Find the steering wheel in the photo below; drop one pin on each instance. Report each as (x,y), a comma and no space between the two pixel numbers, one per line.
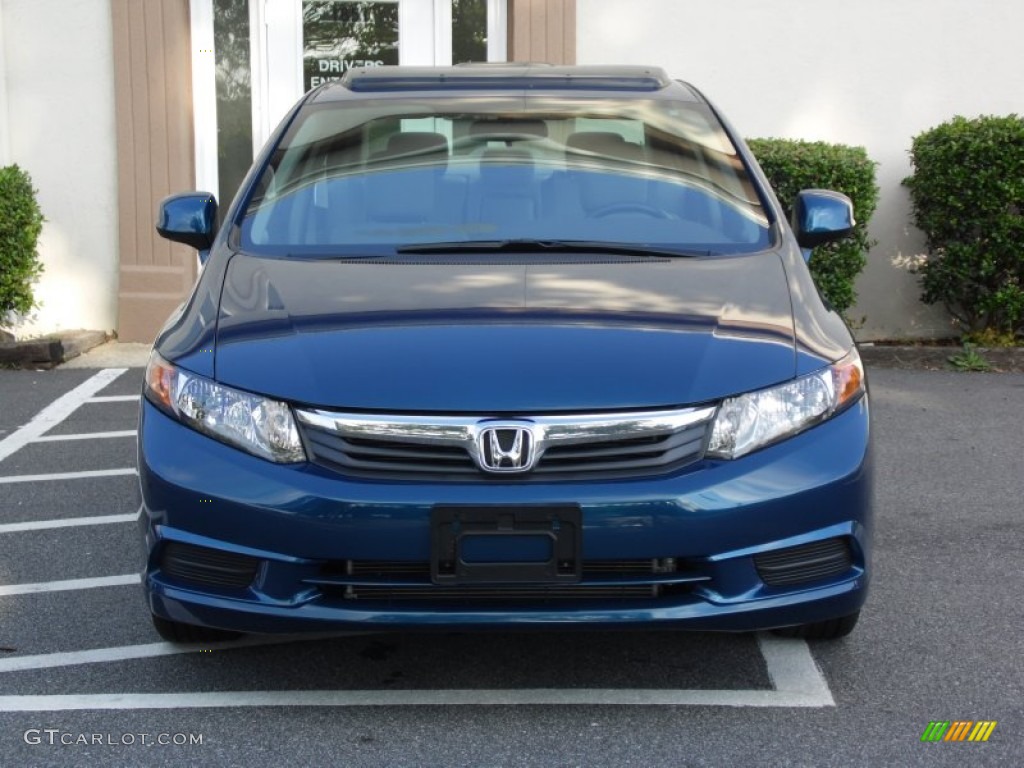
(643,208)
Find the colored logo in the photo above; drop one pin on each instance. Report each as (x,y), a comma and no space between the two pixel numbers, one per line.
(958,730)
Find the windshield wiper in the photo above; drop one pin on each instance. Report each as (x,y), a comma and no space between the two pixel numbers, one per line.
(525,245)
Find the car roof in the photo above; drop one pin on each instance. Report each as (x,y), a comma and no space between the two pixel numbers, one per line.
(393,80)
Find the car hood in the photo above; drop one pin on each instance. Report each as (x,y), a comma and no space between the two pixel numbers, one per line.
(504,336)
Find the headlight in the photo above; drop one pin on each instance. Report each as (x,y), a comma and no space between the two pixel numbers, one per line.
(756,419)
(255,424)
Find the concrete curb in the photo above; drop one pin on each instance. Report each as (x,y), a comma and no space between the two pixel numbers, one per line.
(49,351)
(1002,359)
(113,354)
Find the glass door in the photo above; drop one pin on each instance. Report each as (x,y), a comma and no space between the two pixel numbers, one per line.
(253,59)
(338,36)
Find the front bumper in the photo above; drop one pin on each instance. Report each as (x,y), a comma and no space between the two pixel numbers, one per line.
(719,521)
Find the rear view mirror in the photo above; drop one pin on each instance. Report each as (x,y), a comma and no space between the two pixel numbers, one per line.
(188,218)
(821,216)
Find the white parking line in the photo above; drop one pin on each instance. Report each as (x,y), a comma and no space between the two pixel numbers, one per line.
(70,522)
(796,678)
(407,698)
(144,651)
(57,411)
(86,436)
(792,669)
(68,584)
(112,399)
(67,475)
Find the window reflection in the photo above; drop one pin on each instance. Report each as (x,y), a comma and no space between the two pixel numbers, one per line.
(234,95)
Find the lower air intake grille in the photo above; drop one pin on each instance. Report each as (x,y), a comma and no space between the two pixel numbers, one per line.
(396,581)
(396,569)
(808,562)
(442,594)
(201,565)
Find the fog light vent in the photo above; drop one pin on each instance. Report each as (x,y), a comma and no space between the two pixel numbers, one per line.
(808,562)
(202,565)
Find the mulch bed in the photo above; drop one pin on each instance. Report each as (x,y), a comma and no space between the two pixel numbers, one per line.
(935,357)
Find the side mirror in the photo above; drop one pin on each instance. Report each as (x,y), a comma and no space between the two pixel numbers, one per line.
(821,216)
(188,218)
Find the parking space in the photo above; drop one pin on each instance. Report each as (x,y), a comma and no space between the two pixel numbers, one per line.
(45,501)
(939,640)
(24,393)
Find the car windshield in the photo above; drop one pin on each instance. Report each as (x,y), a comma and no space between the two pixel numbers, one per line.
(368,177)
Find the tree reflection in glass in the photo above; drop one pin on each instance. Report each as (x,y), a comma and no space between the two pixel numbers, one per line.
(234,95)
(469,31)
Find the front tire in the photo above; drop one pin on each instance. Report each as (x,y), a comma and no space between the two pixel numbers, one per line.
(831,629)
(178,632)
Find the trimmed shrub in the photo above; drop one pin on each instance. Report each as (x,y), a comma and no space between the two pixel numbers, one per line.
(967,194)
(21,221)
(795,165)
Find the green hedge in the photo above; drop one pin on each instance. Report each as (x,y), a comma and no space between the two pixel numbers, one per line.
(967,193)
(20,224)
(794,165)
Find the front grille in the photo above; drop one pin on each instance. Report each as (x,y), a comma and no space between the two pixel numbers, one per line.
(642,454)
(363,456)
(806,563)
(202,565)
(609,446)
(400,581)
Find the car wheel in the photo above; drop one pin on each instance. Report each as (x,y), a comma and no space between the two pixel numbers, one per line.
(177,632)
(831,629)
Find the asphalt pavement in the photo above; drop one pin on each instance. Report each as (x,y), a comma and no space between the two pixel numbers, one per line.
(84,680)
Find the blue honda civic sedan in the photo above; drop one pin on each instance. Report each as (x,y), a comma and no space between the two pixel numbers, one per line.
(505,347)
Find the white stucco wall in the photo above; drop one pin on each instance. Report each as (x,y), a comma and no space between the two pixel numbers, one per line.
(5,145)
(58,58)
(872,73)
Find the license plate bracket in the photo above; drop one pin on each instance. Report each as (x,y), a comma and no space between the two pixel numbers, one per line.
(506,545)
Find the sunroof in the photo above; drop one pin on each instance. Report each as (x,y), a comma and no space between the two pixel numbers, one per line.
(510,77)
